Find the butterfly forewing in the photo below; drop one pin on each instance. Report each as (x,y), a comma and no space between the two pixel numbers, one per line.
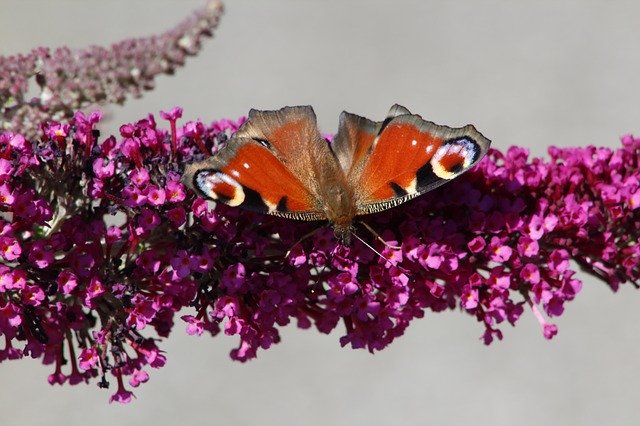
(410,156)
(273,164)
(247,174)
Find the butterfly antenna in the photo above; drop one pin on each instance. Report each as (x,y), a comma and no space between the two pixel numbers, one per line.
(317,283)
(373,249)
(378,237)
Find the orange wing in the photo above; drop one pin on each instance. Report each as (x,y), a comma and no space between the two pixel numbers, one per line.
(407,156)
(264,166)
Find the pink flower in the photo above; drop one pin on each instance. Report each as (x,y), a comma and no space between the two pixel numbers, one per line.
(530,273)
(139,177)
(9,248)
(103,168)
(13,279)
(173,114)
(32,295)
(155,196)
(527,247)
(134,197)
(6,195)
(67,282)
(500,251)
(143,312)
(432,257)
(122,396)
(94,290)
(477,245)
(88,358)
(138,377)
(233,278)
(502,237)
(149,261)
(175,191)
(194,326)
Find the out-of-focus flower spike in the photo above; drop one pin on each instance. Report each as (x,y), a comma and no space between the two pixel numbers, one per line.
(70,80)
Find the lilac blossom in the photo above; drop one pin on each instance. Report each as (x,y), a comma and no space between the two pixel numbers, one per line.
(103,251)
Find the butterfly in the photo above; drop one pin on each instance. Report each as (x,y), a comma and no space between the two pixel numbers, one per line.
(278,163)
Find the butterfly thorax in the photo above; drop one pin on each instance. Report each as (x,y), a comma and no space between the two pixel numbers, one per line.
(339,206)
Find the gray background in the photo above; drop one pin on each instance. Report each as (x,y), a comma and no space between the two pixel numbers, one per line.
(526,73)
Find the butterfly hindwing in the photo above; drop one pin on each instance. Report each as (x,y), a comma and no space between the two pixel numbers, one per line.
(354,139)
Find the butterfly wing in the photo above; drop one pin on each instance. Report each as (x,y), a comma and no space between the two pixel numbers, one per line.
(268,166)
(402,157)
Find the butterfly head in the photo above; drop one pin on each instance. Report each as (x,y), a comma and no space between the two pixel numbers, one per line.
(343,233)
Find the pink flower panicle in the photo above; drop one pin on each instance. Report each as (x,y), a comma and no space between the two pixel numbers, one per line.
(69,80)
(101,246)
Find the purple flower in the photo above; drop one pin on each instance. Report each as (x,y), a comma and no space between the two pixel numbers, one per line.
(195,326)
(173,114)
(139,177)
(502,237)
(181,263)
(138,377)
(88,358)
(9,248)
(233,278)
(41,254)
(175,191)
(6,195)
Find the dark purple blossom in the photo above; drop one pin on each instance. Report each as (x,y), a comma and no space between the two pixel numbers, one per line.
(102,250)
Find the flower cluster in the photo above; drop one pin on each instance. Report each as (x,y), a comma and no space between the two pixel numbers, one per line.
(101,246)
(68,80)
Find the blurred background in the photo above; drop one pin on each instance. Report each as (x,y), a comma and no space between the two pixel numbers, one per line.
(532,74)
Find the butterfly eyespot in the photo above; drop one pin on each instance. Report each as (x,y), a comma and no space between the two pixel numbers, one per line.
(454,157)
(219,186)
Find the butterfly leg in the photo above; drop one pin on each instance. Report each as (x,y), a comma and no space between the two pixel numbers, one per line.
(378,237)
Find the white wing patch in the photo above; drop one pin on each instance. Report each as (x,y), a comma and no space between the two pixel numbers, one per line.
(220,186)
(463,148)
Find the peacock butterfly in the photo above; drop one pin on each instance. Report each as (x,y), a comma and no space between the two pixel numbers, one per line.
(278,163)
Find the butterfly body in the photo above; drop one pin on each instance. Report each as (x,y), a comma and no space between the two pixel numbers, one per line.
(278,163)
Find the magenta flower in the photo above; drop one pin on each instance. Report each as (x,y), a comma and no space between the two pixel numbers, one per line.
(155,196)
(9,248)
(92,297)
(195,326)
